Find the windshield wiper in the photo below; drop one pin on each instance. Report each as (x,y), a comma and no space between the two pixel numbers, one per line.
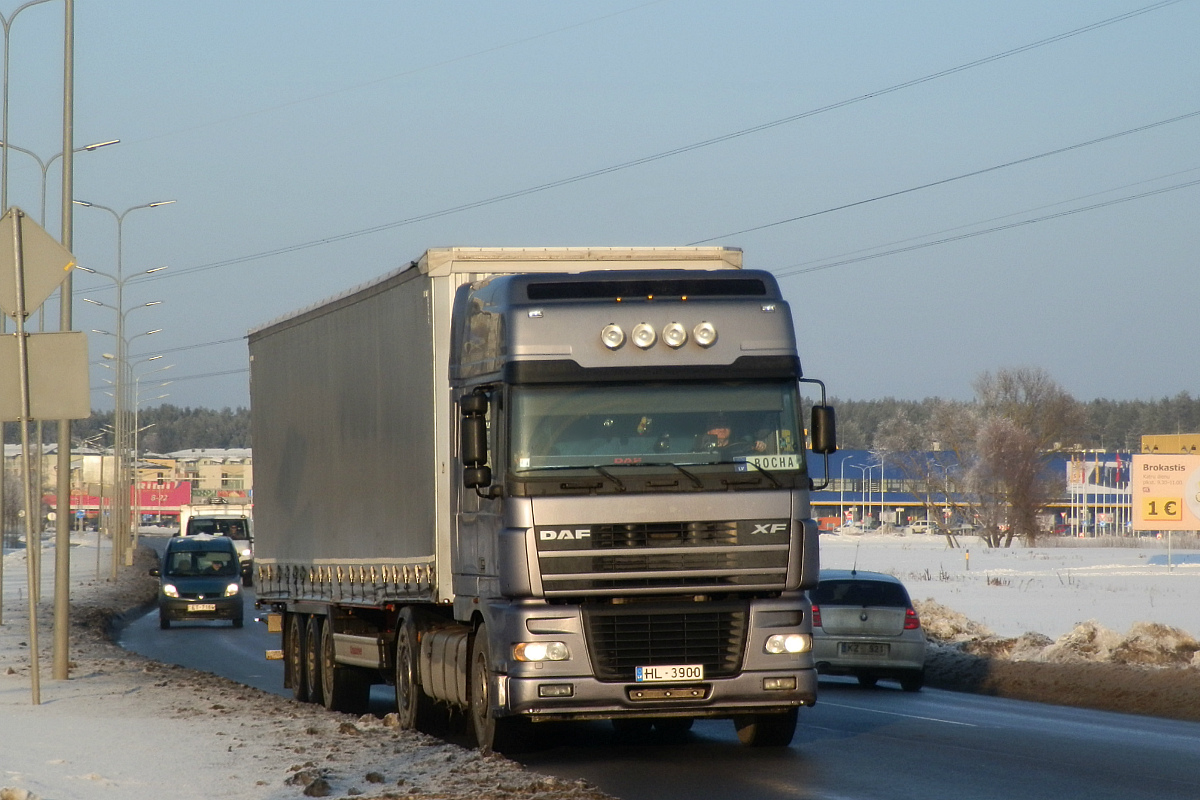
(770,477)
(699,484)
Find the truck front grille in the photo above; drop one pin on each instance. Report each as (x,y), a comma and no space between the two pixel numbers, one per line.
(621,638)
(649,558)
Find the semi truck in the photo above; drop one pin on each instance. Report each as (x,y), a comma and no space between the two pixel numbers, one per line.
(542,484)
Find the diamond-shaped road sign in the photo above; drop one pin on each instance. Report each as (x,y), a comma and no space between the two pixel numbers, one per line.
(45,263)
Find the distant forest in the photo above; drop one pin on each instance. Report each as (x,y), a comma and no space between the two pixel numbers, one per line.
(163,429)
(1110,424)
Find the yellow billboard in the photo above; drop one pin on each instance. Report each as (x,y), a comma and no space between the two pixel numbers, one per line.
(1165,492)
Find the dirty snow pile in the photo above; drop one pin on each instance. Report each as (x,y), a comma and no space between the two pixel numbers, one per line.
(124,726)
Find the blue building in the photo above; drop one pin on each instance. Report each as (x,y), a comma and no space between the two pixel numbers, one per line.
(864,488)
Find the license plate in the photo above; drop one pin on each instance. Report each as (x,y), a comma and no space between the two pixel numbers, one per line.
(863,649)
(685,672)
(202,607)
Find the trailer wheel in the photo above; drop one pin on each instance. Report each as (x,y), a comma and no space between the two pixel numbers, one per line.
(766,730)
(312,659)
(294,652)
(343,688)
(417,710)
(492,733)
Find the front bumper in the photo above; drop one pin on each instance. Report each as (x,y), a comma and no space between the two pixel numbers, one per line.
(184,609)
(593,699)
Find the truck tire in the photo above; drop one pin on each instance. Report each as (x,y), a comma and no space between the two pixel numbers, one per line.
(343,688)
(294,653)
(492,733)
(417,710)
(766,730)
(312,659)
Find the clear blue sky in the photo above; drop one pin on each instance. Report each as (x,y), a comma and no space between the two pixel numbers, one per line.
(276,125)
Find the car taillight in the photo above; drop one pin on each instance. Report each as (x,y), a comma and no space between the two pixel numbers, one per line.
(911,620)
(816,616)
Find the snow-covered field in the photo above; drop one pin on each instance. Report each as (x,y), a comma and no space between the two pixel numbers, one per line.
(1046,590)
(124,727)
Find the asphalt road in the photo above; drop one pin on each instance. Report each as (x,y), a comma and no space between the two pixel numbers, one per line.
(857,743)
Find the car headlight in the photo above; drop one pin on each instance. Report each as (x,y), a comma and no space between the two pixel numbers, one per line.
(541,651)
(246,552)
(169,590)
(232,589)
(789,643)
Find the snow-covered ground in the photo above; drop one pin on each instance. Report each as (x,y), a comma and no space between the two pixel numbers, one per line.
(124,727)
(1046,590)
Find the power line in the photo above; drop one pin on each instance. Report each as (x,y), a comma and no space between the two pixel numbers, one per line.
(181,379)
(944,181)
(662,155)
(801,271)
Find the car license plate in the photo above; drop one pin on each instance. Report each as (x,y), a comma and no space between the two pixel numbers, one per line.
(202,607)
(863,649)
(686,672)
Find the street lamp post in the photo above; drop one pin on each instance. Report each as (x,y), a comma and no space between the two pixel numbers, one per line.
(7,23)
(137,404)
(121,394)
(842,495)
(46,164)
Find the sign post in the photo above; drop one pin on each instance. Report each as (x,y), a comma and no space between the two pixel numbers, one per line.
(30,270)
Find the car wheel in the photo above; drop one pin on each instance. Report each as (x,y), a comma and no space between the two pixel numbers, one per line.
(312,659)
(767,730)
(343,688)
(239,621)
(913,681)
(294,652)
(867,681)
(492,733)
(164,621)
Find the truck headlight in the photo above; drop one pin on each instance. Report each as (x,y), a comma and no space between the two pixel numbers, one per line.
(675,335)
(612,336)
(541,651)
(789,643)
(232,589)
(644,335)
(169,590)
(705,334)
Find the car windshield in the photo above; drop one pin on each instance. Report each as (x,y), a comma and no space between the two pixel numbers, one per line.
(193,563)
(233,528)
(565,426)
(860,593)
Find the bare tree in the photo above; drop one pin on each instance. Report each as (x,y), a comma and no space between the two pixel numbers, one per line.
(987,462)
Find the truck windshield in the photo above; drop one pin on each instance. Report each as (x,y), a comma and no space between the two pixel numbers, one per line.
(565,426)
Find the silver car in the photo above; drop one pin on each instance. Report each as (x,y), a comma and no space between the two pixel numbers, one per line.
(864,625)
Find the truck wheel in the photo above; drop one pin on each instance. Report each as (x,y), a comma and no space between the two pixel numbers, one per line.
(294,652)
(766,730)
(312,659)
(343,688)
(492,733)
(417,710)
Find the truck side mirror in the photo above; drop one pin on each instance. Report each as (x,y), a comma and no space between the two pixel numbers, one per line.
(823,430)
(473,440)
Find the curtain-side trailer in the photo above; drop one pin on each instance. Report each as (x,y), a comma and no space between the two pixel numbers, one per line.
(532,484)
